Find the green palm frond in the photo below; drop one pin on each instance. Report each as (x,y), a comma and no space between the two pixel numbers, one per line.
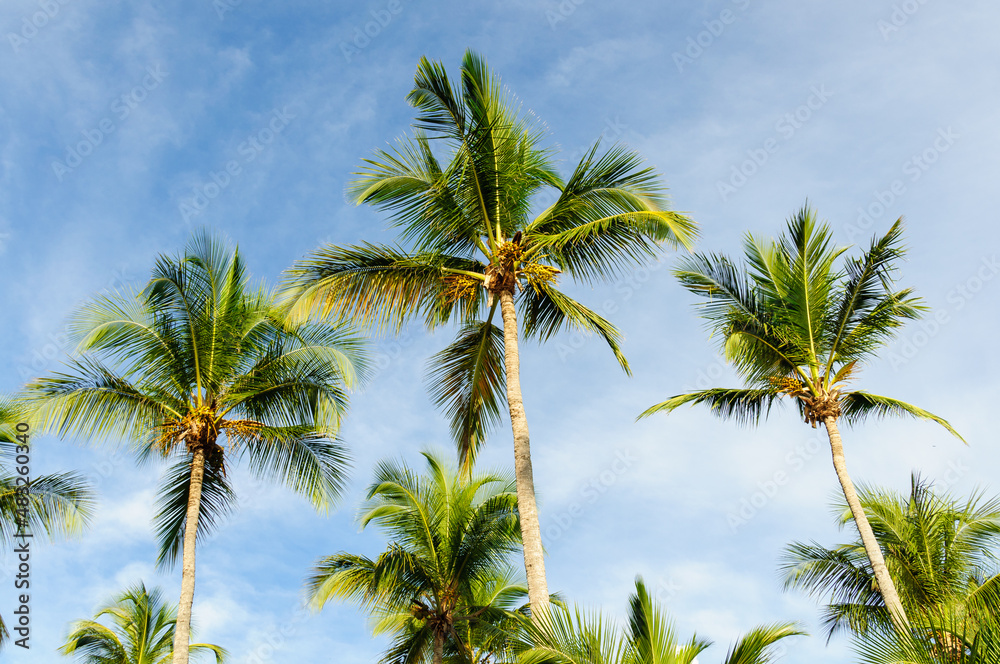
(859,406)
(652,638)
(940,551)
(611,216)
(757,647)
(467,381)
(450,534)
(140,632)
(308,463)
(12,413)
(58,504)
(377,286)
(844,578)
(571,636)
(575,636)
(93,399)
(218,500)
(746,406)
(547,310)
(869,310)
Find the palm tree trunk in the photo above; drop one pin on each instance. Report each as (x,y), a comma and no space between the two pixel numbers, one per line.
(531,532)
(885,584)
(182,630)
(438,647)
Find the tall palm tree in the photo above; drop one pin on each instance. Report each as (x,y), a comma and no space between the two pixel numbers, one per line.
(200,367)
(793,324)
(443,586)
(56,504)
(473,244)
(941,552)
(568,636)
(141,632)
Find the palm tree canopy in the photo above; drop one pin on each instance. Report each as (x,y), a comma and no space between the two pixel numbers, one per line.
(446,569)
(202,358)
(464,191)
(141,631)
(942,553)
(796,320)
(575,636)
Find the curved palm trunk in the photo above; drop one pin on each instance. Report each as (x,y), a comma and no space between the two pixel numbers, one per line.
(885,584)
(182,630)
(531,533)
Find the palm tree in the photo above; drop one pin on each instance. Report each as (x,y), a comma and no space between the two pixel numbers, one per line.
(575,637)
(956,639)
(793,325)
(200,367)
(941,553)
(474,246)
(141,632)
(56,504)
(443,586)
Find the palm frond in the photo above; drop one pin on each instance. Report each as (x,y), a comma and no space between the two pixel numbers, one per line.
(611,216)
(377,286)
(858,406)
(218,500)
(745,406)
(758,646)
(57,504)
(546,310)
(467,381)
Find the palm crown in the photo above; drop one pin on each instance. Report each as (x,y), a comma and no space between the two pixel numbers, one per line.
(445,578)
(794,324)
(568,636)
(141,632)
(941,552)
(467,220)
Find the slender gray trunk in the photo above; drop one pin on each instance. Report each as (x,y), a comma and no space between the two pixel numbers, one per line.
(531,533)
(885,584)
(182,630)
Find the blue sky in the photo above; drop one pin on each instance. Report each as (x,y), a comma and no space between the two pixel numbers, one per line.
(116,116)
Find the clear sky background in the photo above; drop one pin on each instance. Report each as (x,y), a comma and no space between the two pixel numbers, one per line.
(870,109)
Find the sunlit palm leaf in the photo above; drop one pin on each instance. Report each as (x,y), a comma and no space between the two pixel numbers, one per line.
(467,381)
